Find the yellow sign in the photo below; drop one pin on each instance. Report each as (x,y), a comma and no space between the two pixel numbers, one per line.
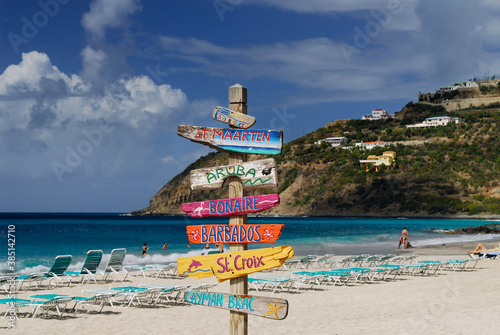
(233,264)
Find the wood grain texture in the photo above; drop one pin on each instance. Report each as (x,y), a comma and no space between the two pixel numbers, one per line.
(231,206)
(243,233)
(233,264)
(254,175)
(265,142)
(265,307)
(233,117)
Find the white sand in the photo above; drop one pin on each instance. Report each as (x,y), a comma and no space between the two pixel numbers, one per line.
(446,303)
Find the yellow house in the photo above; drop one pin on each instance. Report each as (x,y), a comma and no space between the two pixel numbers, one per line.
(388,158)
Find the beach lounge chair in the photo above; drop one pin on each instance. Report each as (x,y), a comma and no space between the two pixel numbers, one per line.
(43,305)
(165,270)
(6,280)
(89,268)
(335,277)
(97,299)
(56,274)
(35,278)
(161,290)
(302,262)
(321,261)
(307,278)
(274,282)
(134,294)
(345,262)
(115,264)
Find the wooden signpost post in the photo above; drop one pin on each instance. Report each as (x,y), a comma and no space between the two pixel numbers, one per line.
(265,142)
(272,308)
(253,175)
(232,117)
(235,264)
(241,175)
(202,234)
(231,206)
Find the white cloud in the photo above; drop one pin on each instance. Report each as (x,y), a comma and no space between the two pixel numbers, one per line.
(45,115)
(93,63)
(34,75)
(326,6)
(105,14)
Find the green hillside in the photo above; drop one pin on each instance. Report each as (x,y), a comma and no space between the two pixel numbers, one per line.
(447,170)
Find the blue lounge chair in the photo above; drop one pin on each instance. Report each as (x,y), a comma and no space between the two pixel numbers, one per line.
(89,268)
(97,299)
(56,273)
(39,305)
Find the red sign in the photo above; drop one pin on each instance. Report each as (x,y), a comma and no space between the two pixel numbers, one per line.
(245,233)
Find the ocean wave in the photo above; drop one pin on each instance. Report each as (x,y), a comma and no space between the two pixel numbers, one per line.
(158,258)
(454,239)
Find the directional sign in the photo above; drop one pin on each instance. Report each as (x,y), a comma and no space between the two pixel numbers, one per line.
(253,175)
(232,206)
(233,264)
(241,233)
(271,308)
(265,142)
(233,118)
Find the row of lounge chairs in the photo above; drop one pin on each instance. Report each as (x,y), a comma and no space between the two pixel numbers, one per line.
(378,268)
(58,273)
(326,261)
(126,296)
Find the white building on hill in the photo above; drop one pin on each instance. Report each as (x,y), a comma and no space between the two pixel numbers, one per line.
(377,114)
(371,145)
(436,121)
(333,141)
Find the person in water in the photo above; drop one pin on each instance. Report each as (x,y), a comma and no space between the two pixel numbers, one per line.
(165,246)
(404,238)
(144,248)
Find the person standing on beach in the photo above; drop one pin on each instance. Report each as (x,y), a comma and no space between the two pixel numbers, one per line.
(144,248)
(404,238)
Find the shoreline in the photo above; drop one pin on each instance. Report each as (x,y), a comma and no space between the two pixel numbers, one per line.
(354,216)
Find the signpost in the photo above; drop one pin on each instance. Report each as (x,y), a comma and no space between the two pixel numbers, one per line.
(253,175)
(271,308)
(241,175)
(202,234)
(231,206)
(234,264)
(265,142)
(232,117)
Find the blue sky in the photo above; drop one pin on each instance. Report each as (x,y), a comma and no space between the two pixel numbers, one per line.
(91,92)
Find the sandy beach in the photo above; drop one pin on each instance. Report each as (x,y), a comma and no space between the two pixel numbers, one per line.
(447,302)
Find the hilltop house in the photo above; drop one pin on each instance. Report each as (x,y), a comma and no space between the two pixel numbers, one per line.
(436,121)
(388,158)
(371,145)
(333,141)
(377,114)
(465,84)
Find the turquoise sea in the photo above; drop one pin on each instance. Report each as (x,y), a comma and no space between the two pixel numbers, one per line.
(39,238)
